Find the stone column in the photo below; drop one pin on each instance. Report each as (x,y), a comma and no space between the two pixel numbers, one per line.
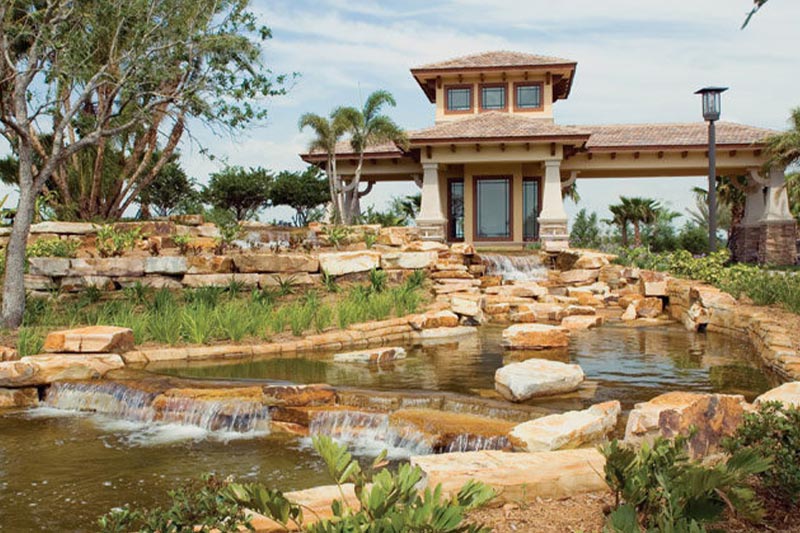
(553,218)
(750,229)
(778,236)
(431,220)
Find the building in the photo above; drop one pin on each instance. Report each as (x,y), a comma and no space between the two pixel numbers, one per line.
(493,166)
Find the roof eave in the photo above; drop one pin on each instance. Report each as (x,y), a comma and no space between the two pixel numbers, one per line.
(415,141)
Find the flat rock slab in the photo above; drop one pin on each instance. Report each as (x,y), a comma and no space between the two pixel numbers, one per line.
(567,430)
(434,319)
(375,355)
(445,332)
(408,260)
(535,337)
(788,394)
(341,263)
(579,322)
(536,377)
(91,339)
(518,476)
(37,370)
(276,263)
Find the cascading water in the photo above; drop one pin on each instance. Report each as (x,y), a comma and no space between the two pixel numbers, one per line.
(474,443)
(153,418)
(515,267)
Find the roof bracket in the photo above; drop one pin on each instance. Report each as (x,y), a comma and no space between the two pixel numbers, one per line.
(477,147)
(685,154)
(661,154)
(502,147)
(570,180)
(453,148)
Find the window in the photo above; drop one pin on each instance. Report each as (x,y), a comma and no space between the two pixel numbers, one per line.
(528,96)
(456,209)
(459,99)
(530,209)
(493,97)
(493,209)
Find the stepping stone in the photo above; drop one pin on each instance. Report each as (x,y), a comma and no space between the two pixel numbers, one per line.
(536,377)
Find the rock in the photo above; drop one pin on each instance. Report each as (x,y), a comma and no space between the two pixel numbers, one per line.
(434,319)
(38,283)
(394,236)
(517,476)
(166,265)
(107,266)
(408,260)
(579,276)
(788,394)
(467,304)
(462,248)
(275,280)
(8,354)
(591,261)
(567,430)
(36,370)
(523,316)
(546,311)
(630,313)
(585,310)
(627,299)
(375,355)
(79,283)
(301,395)
(340,263)
(210,264)
(649,307)
(220,280)
(289,263)
(534,337)
(518,290)
(579,322)
(536,377)
(715,416)
(442,428)
(696,317)
(187,220)
(612,275)
(154,282)
(53,267)
(64,228)
(425,246)
(566,259)
(91,339)
(653,283)
(27,397)
(442,333)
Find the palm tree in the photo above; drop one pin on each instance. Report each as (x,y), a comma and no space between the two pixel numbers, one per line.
(784,148)
(620,218)
(367,126)
(327,133)
(637,211)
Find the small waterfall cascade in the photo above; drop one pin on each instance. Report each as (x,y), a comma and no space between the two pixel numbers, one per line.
(515,267)
(476,443)
(118,401)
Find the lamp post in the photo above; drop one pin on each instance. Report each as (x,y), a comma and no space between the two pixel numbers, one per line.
(712,104)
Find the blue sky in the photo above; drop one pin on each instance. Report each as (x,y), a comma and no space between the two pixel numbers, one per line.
(638,61)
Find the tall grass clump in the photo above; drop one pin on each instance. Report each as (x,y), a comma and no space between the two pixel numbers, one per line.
(29,342)
(234,321)
(198,323)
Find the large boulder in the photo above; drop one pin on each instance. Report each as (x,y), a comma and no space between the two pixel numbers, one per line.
(470,305)
(408,260)
(434,319)
(107,266)
(210,264)
(91,339)
(64,228)
(535,337)
(341,263)
(79,283)
(579,276)
(536,377)
(653,283)
(53,267)
(276,263)
(714,416)
(788,394)
(372,355)
(591,261)
(567,430)
(650,307)
(517,476)
(36,370)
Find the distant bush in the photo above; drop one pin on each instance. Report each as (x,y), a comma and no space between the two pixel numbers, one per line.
(585,231)
(693,239)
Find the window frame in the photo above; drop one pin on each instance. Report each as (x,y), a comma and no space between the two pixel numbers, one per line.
(539,190)
(476,237)
(483,86)
(519,84)
(471,90)
(450,220)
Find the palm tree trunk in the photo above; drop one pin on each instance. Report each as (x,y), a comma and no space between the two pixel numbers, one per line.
(624,234)
(637,234)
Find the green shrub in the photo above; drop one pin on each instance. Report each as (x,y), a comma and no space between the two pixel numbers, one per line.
(337,235)
(585,231)
(693,238)
(113,242)
(53,247)
(773,431)
(660,489)
(378,279)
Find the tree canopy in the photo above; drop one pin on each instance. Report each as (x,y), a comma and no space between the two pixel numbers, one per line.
(241,191)
(302,191)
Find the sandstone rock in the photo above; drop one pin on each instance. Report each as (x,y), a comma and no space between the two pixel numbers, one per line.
(340,263)
(523,316)
(649,307)
(653,283)
(301,395)
(627,299)
(612,275)
(374,355)
(579,322)
(518,290)
(463,248)
(517,476)
(534,337)
(566,259)
(442,428)
(38,283)
(187,220)
(38,370)
(394,236)
(585,310)
(546,311)
(220,280)
(715,416)
(467,304)
(630,313)
(579,276)
(408,260)
(107,266)
(567,430)
(154,282)
(91,339)
(434,319)
(64,228)
(210,264)
(788,394)
(442,333)
(8,354)
(27,397)
(288,263)
(477,270)
(696,317)
(425,246)
(588,299)
(79,283)
(54,267)
(591,261)
(536,377)
(166,265)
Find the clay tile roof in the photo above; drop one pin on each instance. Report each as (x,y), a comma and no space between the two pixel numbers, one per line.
(502,58)
(344,148)
(668,135)
(495,125)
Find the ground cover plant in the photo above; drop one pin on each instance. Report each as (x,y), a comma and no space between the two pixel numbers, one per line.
(221,314)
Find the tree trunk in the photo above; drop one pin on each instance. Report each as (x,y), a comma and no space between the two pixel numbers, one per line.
(330,170)
(637,235)
(624,234)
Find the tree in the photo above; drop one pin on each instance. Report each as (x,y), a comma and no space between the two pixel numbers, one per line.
(620,219)
(783,149)
(366,126)
(170,189)
(115,75)
(327,133)
(640,211)
(237,190)
(585,230)
(302,191)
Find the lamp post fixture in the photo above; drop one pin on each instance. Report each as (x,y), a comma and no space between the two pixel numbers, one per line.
(712,104)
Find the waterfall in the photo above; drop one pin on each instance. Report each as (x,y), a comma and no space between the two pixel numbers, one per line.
(369,434)
(514,267)
(151,417)
(476,443)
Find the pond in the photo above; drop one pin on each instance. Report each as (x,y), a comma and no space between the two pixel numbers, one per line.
(60,470)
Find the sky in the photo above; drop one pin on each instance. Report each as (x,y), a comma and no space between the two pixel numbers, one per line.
(638,61)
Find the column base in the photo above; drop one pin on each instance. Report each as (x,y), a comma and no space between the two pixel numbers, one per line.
(777,244)
(747,243)
(432,229)
(553,235)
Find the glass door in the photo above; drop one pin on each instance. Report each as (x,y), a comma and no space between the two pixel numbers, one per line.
(530,209)
(493,208)
(455,209)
